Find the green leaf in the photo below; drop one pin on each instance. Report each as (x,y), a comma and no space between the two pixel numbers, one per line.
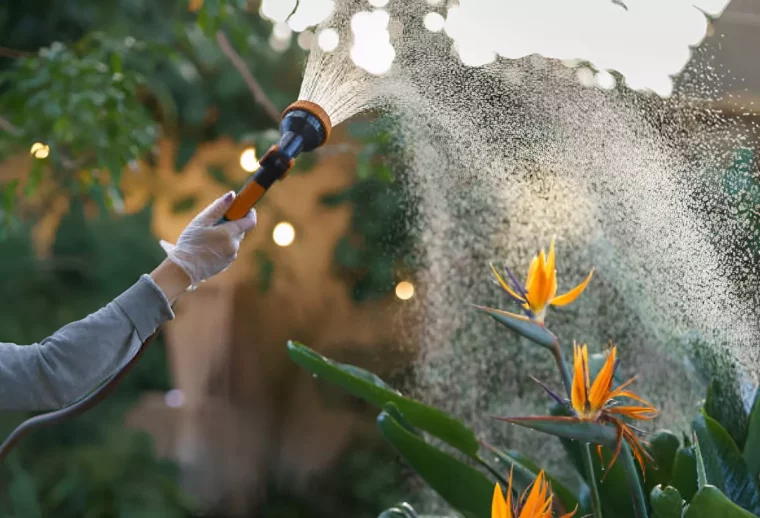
(568,428)
(684,476)
(184,154)
(523,326)
(375,391)
(663,447)
(462,486)
(752,443)
(184,204)
(724,404)
(710,502)
(724,465)
(666,503)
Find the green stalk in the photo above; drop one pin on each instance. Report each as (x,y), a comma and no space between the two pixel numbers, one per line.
(634,484)
(596,502)
(563,370)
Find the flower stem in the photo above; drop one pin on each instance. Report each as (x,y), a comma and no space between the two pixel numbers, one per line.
(563,370)
(634,484)
(596,503)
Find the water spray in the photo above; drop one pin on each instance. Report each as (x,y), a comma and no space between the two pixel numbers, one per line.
(304,127)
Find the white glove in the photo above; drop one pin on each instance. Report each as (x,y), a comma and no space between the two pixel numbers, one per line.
(205,249)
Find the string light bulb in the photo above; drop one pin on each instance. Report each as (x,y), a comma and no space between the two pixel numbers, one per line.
(404,290)
(284,234)
(248,160)
(40,150)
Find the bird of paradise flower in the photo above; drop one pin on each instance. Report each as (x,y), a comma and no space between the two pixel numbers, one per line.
(535,502)
(540,289)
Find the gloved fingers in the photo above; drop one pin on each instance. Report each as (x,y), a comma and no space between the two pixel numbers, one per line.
(168,247)
(214,212)
(242,225)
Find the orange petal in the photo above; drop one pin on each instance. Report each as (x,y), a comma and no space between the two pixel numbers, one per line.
(505,286)
(551,272)
(570,296)
(508,505)
(601,388)
(536,285)
(578,394)
(642,413)
(570,515)
(499,506)
(536,498)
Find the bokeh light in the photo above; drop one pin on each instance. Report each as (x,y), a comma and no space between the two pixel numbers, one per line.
(248,160)
(284,234)
(647,43)
(40,150)
(404,290)
(175,398)
(372,49)
(306,40)
(328,40)
(277,10)
(434,22)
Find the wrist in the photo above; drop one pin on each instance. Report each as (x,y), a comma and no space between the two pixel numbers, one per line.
(172,279)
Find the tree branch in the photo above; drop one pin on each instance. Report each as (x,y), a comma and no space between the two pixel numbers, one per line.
(258,93)
(6,125)
(13,53)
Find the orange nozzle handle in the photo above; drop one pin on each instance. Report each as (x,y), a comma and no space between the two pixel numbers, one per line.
(272,167)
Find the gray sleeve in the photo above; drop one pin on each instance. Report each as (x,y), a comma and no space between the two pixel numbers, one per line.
(68,365)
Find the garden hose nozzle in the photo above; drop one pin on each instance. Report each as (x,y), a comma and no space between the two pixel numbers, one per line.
(304,127)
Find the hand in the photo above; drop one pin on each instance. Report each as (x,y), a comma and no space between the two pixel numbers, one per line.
(204,248)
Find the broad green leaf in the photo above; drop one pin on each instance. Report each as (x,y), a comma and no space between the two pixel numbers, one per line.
(752,444)
(375,391)
(710,502)
(684,477)
(568,428)
(462,486)
(724,465)
(663,447)
(666,503)
(523,326)
(724,404)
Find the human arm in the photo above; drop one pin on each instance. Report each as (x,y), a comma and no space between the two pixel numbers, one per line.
(72,362)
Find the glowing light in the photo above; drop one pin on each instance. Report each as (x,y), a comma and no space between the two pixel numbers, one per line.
(585,76)
(277,10)
(174,398)
(282,31)
(434,22)
(248,160)
(310,13)
(284,234)
(378,3)
(404,290)
(434,2)
(601,33)
(372,49)
(306,40)
(605,80)
(328,40)
(40,150)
